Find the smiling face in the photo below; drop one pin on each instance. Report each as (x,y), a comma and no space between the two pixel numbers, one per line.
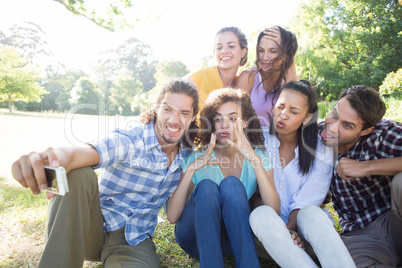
(228,51)
(174,117)
(268,51)
(343,127)
(290,112)
(224,122)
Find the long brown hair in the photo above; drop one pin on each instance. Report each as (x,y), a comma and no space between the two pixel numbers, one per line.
(218,97)
(288,49)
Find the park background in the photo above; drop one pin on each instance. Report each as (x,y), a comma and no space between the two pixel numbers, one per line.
(70,71)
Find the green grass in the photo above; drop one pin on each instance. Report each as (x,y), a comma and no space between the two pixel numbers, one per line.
(22,232)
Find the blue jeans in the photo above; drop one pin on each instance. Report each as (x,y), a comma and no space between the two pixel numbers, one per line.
(215,224)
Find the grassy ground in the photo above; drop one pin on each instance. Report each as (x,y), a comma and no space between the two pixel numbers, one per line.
(22,228)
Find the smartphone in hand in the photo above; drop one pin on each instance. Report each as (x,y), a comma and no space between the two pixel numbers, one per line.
(56,180)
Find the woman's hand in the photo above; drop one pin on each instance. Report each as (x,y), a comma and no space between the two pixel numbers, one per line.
(242,144)
(205,158)
(296,239)
(273,34)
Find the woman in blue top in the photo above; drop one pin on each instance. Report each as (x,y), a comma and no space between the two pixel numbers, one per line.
(302,175)
(210,205)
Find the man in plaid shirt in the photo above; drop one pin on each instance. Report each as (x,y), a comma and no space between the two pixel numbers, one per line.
(367,182)
(114,221)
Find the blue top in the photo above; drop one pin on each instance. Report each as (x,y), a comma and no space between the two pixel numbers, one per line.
(214,173)
(135,181)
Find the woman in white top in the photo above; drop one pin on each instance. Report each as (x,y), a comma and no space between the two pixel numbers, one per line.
(302,175)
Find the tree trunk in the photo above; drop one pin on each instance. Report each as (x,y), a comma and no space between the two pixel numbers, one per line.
(10,104)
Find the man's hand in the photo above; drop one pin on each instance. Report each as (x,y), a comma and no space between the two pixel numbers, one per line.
(29,169)
(349,169)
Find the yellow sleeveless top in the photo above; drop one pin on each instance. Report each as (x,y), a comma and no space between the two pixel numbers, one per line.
(206,80)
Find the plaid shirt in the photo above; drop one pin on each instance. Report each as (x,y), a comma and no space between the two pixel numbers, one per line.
(360,201)
(135,181)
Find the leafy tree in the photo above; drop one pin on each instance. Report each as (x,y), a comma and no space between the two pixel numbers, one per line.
(109,14)
(30,39)
(60,86)
(347,42)
(392,85)
(133,57)
(18,80)
(85,97)
(123,92)
(167,70)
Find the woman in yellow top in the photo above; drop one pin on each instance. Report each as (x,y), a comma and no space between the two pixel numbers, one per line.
(231,52)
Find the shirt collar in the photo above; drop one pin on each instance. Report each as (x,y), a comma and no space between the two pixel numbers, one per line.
(150,139)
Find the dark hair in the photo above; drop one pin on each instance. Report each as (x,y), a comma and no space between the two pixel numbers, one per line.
(178,86)
(218,97)
(288,47)
(307,135)
(367,103)
(242,40)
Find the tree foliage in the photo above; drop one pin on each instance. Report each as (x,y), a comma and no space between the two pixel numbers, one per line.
(85,97)
(348,42)
(167,70)
(29,38)
(60,86)
(392,85)
(109,14)
(133,57)
(18,80)
(111,17)
(122,93)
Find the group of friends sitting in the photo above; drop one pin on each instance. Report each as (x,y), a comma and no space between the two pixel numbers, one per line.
(243,166)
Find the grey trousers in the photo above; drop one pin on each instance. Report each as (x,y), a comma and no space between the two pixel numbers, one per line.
(75,231)
(380,243)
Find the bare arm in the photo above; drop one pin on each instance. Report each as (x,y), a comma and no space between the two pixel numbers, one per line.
(180,196)
(292,222)
(290,74)
(292,227)
(245,81)
(265,179)
(349,169)
(29,171)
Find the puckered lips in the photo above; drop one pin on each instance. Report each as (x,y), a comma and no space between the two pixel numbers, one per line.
(224,134)
(280,124)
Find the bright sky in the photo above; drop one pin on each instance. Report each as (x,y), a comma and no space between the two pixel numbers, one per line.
(185,30)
